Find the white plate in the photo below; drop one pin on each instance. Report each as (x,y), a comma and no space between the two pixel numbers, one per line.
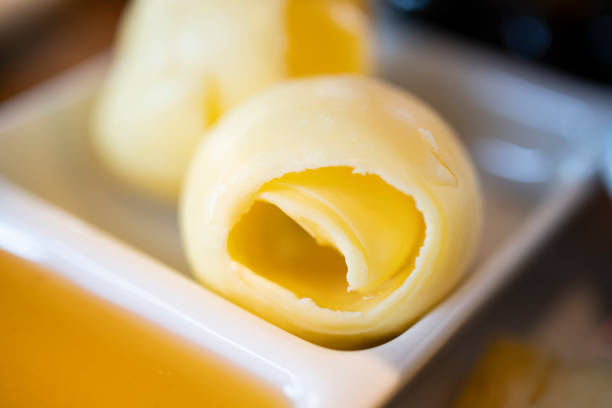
(77,221)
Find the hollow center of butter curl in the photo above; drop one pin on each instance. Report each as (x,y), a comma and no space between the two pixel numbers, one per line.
(324,37)
(339,238)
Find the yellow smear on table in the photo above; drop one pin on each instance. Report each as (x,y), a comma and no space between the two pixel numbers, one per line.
(514,373)
(62,347)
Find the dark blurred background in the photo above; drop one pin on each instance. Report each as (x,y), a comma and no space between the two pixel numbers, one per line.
(574,36)
(40,38)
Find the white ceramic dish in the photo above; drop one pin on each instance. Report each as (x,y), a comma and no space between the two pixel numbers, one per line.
(80,223)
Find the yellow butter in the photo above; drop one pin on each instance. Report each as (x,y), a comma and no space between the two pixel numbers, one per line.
(180,64)
(63,347)
(338,208)
(513,373)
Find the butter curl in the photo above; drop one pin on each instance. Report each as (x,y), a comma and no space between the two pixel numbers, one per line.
(338,208)
(180,64)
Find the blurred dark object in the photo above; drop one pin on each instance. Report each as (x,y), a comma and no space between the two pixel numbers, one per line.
(40,38)
(572,35)
(17,13)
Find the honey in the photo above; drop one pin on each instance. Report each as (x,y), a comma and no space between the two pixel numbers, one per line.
(63,347)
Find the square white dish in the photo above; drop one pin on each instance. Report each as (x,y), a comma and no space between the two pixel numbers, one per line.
(78,221)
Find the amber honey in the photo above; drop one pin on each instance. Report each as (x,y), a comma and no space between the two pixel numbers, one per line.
(63,347)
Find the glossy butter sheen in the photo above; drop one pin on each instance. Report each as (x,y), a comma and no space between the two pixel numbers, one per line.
(62,347)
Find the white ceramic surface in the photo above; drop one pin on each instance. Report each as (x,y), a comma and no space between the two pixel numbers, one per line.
(78,221)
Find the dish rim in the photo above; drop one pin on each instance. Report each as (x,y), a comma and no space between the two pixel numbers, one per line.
(308,374)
